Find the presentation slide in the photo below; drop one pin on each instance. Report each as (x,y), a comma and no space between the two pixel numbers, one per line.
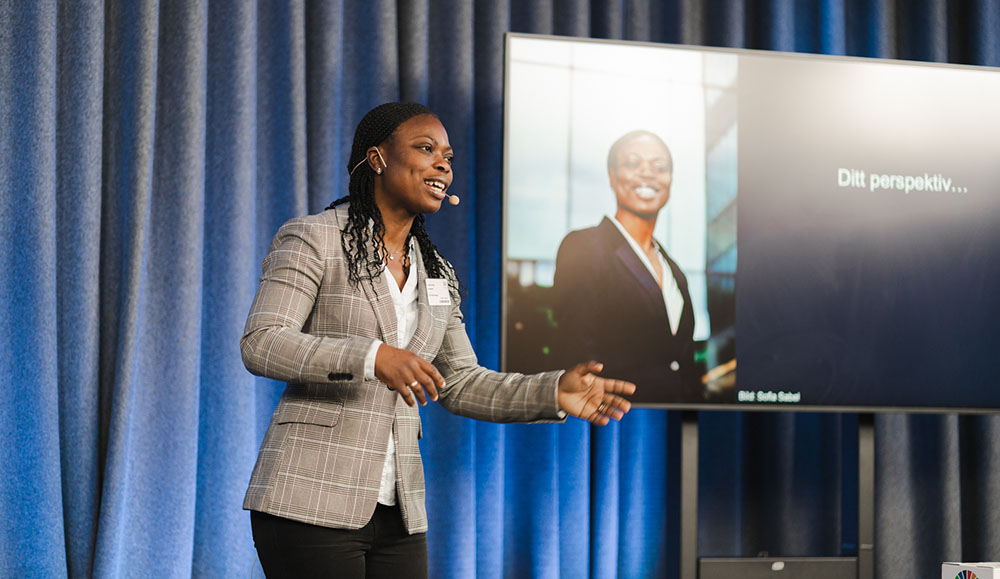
(869,230)
(746,229)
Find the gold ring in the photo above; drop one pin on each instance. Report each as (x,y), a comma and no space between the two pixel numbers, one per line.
(414,384)
(600,409)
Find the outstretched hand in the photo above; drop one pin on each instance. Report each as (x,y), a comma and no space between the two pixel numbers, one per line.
(586,395)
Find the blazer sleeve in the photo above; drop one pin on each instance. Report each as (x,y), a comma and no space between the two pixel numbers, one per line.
(477,392)
(579,305)
(273,343)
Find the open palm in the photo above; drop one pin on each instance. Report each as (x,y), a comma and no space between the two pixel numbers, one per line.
(586,395)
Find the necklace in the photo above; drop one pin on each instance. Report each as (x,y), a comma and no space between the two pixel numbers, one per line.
(392,254)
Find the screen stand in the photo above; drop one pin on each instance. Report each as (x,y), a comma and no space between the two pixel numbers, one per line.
(689,494)
(861,567)
(866,496)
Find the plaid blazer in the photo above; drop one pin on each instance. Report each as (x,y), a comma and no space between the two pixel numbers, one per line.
(322,456)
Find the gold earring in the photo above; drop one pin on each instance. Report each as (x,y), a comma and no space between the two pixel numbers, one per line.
(378,171)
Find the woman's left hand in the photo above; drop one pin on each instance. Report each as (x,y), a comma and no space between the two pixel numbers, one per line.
(586,395)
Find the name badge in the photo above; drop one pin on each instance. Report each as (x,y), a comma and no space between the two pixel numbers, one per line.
(438,293)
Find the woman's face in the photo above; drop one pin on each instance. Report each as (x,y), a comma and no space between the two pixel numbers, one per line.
(641,179)
(417,169)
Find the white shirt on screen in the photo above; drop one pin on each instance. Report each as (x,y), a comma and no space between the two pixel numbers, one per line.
(673,299)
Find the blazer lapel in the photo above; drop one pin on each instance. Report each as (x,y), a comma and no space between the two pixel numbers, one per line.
(631,261)
(376,291)
(636,267)
(424,318)
(650,292)
(385,313)
(687,312)
(628,257)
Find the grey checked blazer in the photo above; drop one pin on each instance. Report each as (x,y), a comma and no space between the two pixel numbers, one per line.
(322,456)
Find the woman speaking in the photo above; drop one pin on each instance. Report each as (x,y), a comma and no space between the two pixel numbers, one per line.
(359,313)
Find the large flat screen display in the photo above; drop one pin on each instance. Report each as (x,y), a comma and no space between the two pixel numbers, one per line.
(747,229)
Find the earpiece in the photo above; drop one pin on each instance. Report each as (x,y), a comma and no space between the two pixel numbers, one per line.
(384,165)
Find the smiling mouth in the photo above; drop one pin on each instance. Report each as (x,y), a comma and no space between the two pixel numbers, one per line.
(645,192)
(437,187)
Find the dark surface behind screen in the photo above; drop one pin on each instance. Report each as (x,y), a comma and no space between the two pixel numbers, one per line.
(855,297)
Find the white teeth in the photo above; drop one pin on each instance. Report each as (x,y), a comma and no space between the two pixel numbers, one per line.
(436,184)
(645,192)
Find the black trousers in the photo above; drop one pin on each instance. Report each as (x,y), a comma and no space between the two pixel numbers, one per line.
(380,549)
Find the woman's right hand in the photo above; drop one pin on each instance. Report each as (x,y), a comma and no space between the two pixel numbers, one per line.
(413,377)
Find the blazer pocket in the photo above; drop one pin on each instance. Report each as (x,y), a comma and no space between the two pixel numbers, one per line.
(322,412)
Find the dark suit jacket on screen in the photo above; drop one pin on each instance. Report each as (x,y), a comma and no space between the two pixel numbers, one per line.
(609,308)
(322,456)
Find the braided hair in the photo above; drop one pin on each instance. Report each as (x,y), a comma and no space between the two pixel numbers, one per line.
(374,129)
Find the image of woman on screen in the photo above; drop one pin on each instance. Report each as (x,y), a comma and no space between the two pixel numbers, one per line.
(619,298)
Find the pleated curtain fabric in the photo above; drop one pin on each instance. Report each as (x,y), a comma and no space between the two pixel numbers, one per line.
(150,150)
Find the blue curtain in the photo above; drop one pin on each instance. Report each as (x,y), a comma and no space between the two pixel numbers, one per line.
(148,152)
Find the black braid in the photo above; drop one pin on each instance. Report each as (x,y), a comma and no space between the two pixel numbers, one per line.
(355,238)
(437,266)
(377,126)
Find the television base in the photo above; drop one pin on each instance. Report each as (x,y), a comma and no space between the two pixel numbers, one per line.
(778,567)
(691,567)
